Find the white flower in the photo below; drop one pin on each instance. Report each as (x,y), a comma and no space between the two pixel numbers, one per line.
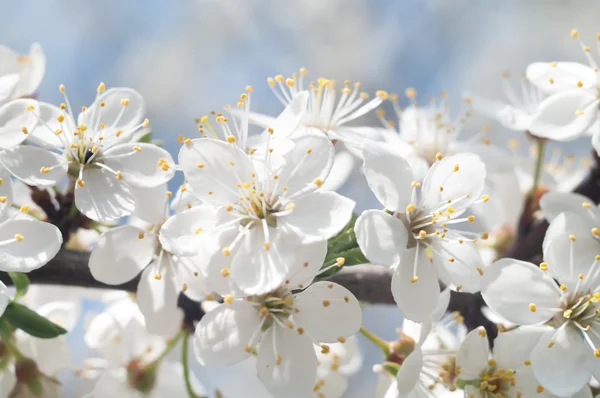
(25,244)
(508,371)
(282,326)
(20,74)
(402,240)
(565,357)
(95,150)
(257,213)
(123,252)
(326,113)
(518,114)
(572,109)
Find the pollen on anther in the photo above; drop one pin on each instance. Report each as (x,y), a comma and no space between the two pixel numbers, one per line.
(414,279)
(266,246)
(228,299)
(340,261)
(225,272)
(326,303)
(410,208)
(572,237)
(456,168)
(341,339)
(471,219)
(532,307)
(141,235)
(438,156)
(125,102)
(19,237)
(543,266)
(324,349)
(226,252)
(318,182)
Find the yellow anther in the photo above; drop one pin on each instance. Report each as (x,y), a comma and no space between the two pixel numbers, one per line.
(539,389)
(563,287)
(482,332)
(266,246)
(579,112)
(60,118)
(225,272)
(231,139)
(456,168)
(137,149)
(410,93)
(248,349)
(341,339)
(414,279)
(228,299)
(572,237)
(141,235)
(249,89)
(451,210)
(410,208)
(61,88)
(290,82)
(595,231)
(364,96)
(119,176)
(438,156)
(228,207)
(340,261)
(24,209)
(270,81)
(567,313)
(101,87)
(200,165)
(125,101)
(80,183)
(146,123)
(118,133)
(484,235)
(532,307)
(318,182)
(580,84)
(422,234)
(226,252)
(471,219)
(574,33)
(551,80)
(586,205)
(83,108)
(415,184)
(24,130)
(326,303)
(580,277)
(382,94)
(324,349)
(58,132)
(543,266)
(480,270)
(19,237)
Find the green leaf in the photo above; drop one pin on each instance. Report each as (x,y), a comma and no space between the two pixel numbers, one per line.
(31,322)
(351,257)
(21,282)
(6,329)
(146,137)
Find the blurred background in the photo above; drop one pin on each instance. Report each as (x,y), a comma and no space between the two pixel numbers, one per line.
(192,56)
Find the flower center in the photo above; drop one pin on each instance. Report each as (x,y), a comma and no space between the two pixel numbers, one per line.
(275,307)
(583,310)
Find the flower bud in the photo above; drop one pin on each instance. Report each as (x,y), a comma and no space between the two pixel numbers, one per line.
(401,348)
(33,383)
(141,377)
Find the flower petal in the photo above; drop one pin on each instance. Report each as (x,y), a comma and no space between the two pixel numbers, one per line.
(443,183)
(570,247)
(120,255)
(328,312)
(103,198)
(389,176)
(307,165)
(8,85)
(4,298)
(556,77)
(554,203)
(409,373)
(566,366)
(6,192)
(25,162)
(182,234)
(565,116)
(509,287)
(33,72)
(319,215)
(157,300)
(41,241)
(343,166)
(381,237)
(514,347)
(509,116)
(51,355)
(112,383)
(457,263)
(147,167)
(223,332)
(309,259)
(473,354)
(112,113)
(296,372)
(416,300)
(14,117)
(151,203)
(44,134)
(206,164)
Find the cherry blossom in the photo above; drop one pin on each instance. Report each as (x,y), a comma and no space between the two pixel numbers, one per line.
(20,75)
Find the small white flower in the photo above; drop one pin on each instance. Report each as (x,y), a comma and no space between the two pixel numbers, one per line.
(123,252)
(282,326)
(95,150)
(566,356)
(508,371)
(21,74)
(257,213)
(402,240)
(572,108)
(518,114)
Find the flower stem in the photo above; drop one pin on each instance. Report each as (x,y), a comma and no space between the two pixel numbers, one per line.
(169,347)
(186,366)
(538,165)
(378,341)
(13,349)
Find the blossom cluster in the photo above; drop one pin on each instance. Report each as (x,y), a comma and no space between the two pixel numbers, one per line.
(257,232)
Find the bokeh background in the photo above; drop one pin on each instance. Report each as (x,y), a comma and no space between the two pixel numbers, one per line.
(188,57)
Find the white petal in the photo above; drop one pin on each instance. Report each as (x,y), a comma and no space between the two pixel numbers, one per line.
(309,161)
(141,169)
(44,133)
(565,367)
(462,271)
(64,310)
(509,116)
(554,203)
(206,164)
(510,286)
(389,176)
(113,383)
(468,179)
(295,375)
(222,333)
(157,300)
(182,233)
(442,305)
(558,117)
(8,85)
(13,118)
(256,270)
(151,203)
(558,247)
(381,237)
(4,298)
(318,215)
(514,347)
(343,166)
(168,382)
(33,73)
(6,191)
(188,271)
(309,259)
(409,373)
(473,354)
(287,121)
(40,244)
(417,300)
(184,199)
(333,385)
(120,255)
(328,311)
(7,379)
(103,198)
(564,76)
(113,114)
(25,162)
(51,355)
